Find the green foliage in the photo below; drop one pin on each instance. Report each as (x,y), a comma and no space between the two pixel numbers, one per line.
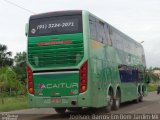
(156,68)
(12,79)
(154,79)
(5,56)
(7,79)
(152,76)
(152,87)
(20,66)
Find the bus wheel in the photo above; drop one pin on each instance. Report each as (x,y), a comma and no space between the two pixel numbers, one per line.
(110,103)
(60,110)
(141,98)
(116,101)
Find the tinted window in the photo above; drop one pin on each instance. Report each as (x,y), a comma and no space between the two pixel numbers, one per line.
(128,73)
(107,41)
(100,31)
(93,31)
(119,40)
(113,38)
(55,25)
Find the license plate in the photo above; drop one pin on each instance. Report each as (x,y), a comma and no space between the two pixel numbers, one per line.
(56,100)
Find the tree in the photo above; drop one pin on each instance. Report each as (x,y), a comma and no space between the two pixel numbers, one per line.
(20,66)
(156,68)
(5,56)
(153,77)
(7,79)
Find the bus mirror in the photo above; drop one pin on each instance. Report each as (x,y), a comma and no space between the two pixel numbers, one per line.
(26,29)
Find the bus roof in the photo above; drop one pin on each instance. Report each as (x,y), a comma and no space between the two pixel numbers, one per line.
(56,13)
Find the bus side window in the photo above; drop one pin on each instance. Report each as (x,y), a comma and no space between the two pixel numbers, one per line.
(111,35)
(92,25)
(108,40)
(125,45)
(100,31)
(128,73)
(113,38)
(119,41)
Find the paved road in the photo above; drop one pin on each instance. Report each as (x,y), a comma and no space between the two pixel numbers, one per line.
(151,104)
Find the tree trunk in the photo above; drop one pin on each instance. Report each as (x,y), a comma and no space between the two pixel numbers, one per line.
(10,91)
(16,93)
(1,91)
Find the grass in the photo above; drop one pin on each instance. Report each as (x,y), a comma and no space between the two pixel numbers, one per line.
(153,86)
(13,103)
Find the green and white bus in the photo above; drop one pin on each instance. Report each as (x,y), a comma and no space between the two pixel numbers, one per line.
(77,60)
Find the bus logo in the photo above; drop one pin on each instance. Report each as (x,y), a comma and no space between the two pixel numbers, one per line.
(59,85)
(41,86)
(33,31)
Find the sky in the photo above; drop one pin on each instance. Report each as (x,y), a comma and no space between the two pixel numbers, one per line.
(139,19)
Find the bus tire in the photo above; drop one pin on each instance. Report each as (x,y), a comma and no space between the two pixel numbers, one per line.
(60,110)
(116,101)
(137,100)
(142,94)
(110,103)
(141,98)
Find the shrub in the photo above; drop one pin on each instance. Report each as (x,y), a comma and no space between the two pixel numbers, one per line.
(152,87)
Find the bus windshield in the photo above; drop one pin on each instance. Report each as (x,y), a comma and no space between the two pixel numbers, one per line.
(55,25)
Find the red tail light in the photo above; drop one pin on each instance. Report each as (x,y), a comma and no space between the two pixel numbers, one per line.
(30,80)
(83,77)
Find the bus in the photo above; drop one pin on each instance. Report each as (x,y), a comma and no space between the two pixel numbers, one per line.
(76,60)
